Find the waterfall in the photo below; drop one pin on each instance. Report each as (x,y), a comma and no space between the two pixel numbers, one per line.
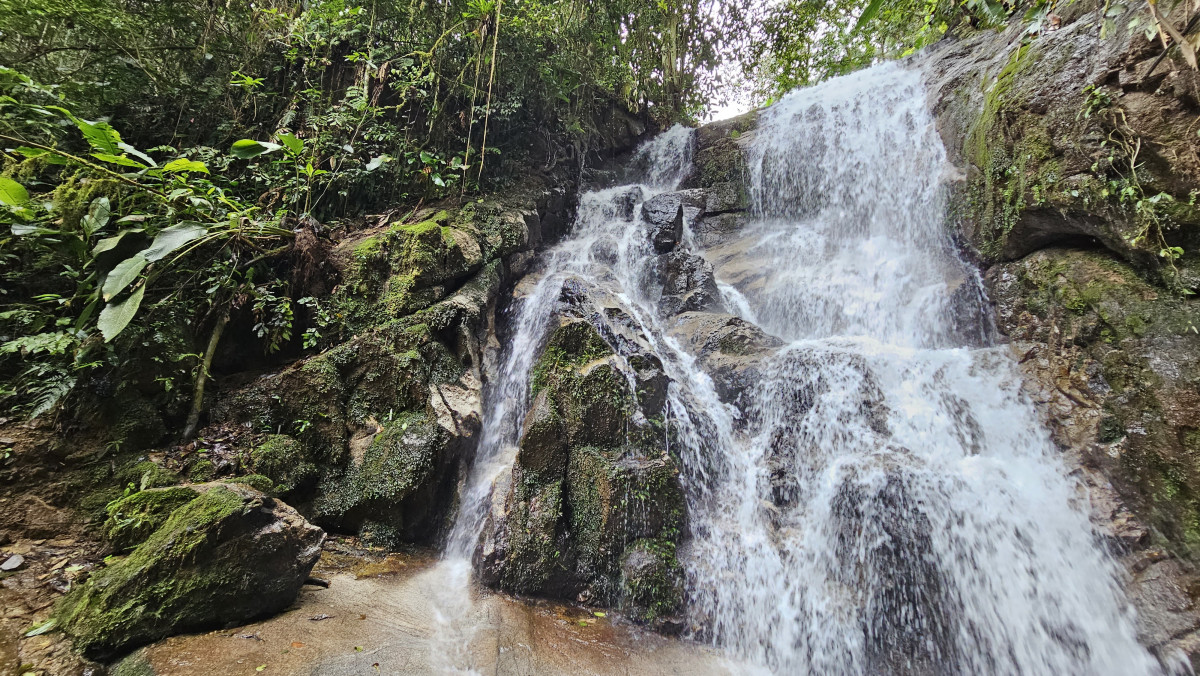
(884,499)
(894,505)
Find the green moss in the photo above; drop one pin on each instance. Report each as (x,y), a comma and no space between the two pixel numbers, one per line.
(121,600)
(202,470)
(147,474)
(256,481)
(132,519)
(283,461)
(652,580)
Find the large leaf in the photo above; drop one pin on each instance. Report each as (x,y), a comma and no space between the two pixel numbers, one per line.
(116,316)
(868,14)
(12,193)
(96,217)
(123,275)
(172,238)
(137,153)
(182,164)
(118,160)
(294,145)
(248,148)
(110,243)
(101,136)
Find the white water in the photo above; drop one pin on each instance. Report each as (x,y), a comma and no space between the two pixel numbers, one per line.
(887,502)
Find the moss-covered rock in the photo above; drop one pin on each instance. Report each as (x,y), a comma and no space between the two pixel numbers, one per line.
(591,476)
(228,556)
(390,484)
(134,518)
(652,581)
(1114,356)
(283,460)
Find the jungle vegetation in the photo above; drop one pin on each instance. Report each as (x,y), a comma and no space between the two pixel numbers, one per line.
(165,166)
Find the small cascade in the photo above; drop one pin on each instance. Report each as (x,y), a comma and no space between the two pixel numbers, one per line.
(882,498)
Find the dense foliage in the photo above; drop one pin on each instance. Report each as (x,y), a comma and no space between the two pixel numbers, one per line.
(166,165)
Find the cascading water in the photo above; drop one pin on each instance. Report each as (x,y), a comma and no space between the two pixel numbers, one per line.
(894,505)
(886,501)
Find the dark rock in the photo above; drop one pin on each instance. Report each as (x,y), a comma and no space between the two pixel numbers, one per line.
(229,556)
(652,581)
(543,444)
(688,285)
(591,473)
(664,217)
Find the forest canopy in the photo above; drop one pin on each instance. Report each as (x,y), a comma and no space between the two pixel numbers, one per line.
(164,165)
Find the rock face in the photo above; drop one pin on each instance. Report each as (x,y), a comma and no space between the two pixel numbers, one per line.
(1076,167)
(227,556)
(593,483)
(368,436)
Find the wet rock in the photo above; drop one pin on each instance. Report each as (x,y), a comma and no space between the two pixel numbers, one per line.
(229,556)
(689,285)
(664,221)
(729,349)
(627,200)
(591,474)
(652,581)
(712,230)
(543,438)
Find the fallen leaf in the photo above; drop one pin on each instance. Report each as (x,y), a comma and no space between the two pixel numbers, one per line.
(362,617)
(42,628)
(358,649)
(260,667)
(297,644)
(598,614)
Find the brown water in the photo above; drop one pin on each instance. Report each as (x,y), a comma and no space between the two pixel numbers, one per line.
(384,623)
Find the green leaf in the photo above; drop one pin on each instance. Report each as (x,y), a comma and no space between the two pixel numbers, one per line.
(427,158)
(116,316)
(110,243)
(123,275)
(172,238)
(248,148)
(182,164)
(42,628)
(101,136)
(868,14)
(96,217)
(137,153)
(294,145)
(12,193)
(118,160)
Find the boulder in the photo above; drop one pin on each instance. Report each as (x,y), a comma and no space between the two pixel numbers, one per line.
(228,556)
(664,216)
(592,472)
(689,285)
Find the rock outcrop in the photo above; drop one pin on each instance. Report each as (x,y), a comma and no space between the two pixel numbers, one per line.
(368,437)
(594,509)
(228,555)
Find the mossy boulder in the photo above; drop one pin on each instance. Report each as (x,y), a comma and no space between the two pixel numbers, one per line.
(228,556)
(592,475)
(652,582)
(134,518)
(283,460)
(393,483)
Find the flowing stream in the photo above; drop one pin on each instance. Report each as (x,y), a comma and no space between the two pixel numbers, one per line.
(886,500)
